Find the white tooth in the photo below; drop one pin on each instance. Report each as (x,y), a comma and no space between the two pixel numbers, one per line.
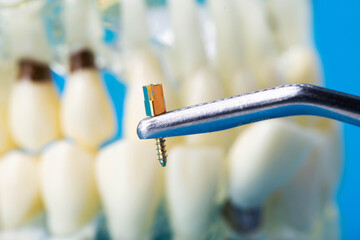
(82,24)
(302,201)
(298,203)
(299,64)
(259,48)
(20,198)
(188,44)
(86,113)
(263,158)
(130,183)
(34,113)
(292,20)
(230,66)
(192,179)
(68,187)
(33,107)
(135,24)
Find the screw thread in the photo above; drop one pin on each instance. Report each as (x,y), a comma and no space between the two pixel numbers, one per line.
(161,151)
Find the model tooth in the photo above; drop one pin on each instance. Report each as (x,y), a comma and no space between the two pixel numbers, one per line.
(302,201)
(68,187)
(188,45)
(236,79)
(86,114)
(20,198)
(258,46)
(292,20)
(298,203)
(130,184)
(33,113)
(263,158)
(192,179)
(299,65)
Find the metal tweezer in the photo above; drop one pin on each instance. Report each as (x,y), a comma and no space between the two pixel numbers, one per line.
(281,101)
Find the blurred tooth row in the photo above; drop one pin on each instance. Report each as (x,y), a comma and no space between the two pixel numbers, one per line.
(287,169)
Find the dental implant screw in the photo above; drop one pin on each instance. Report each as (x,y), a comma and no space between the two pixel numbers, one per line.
(155,105)
(161,149)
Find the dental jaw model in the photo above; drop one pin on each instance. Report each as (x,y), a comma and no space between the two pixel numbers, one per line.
(68,189)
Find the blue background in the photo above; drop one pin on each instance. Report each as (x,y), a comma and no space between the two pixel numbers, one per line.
(337,37)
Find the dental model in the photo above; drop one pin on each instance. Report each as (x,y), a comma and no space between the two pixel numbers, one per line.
(192,182)
(130,185)
(86,114)
(68,188)
(230,66)
(33,106)
(260,166)
(20,200)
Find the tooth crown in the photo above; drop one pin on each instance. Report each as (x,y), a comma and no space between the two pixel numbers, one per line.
(19,189)
(33,114)
(299,203)
(192,179)
(86,115)
(68,187)
(130,187)
(263,158)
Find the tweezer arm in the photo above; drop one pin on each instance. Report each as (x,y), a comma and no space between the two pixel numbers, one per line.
(282,101)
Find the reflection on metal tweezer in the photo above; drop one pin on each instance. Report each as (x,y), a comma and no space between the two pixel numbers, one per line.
(282,101)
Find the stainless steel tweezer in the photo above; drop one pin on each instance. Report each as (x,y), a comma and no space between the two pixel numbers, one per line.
(282,101)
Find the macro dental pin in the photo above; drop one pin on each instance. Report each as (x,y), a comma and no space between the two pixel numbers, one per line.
(281,101)
(154,106)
